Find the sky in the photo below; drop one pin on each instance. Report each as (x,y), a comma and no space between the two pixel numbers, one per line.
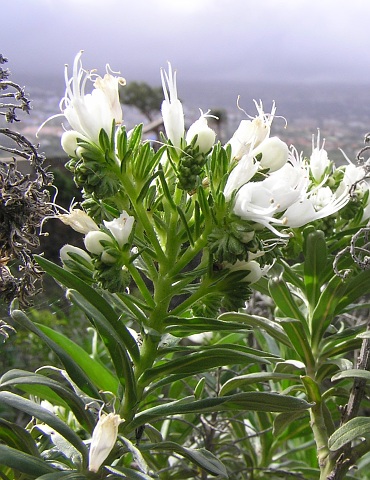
(243,40)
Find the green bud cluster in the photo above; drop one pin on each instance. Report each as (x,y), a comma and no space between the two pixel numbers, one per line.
(113,277)
(232,241)
(190,167)
(94,176)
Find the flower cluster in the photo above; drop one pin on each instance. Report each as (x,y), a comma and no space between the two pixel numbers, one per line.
(241,199)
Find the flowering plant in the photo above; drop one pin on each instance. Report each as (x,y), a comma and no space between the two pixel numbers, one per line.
(178,237)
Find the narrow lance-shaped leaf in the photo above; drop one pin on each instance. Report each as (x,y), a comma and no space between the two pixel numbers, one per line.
(354,428)
(114,344)
(284,300)
(71,281)
(23,462)
(72,368)
(255,401)
(45,416)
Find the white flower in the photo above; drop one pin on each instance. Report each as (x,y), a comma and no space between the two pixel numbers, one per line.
(251,133)
(254,269)
(241,174)
(259,201)
(275,153)
(88,113)
(319,204)
(172,111)
(319,161)
(103,440)
(121,227)
(79,220)
(206,136)
(93,241)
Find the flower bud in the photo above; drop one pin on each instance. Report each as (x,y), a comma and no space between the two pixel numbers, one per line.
(79,220)
(103,440)
(67,249)
(69,142)
(121,227)
(274,152)
(93,241)
(206,136)
(254,270)
(247,136)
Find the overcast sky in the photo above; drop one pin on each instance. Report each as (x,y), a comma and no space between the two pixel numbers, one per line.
(269,40)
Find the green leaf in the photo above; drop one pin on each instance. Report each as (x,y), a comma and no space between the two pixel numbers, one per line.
(182,327)
(114,344)
(249,378)
(65,475)
(198,362)
(98,373)
(17,437)
(255,401)
(284,300)
(316,257)
(45,416)
(23,462)
(201,457)
(357,286)
(283,420)
(41,386)
(72,368)
(270,326)
(356,427)
(128,473)
(326,307)
(352,373)
(298,338)
(95,299)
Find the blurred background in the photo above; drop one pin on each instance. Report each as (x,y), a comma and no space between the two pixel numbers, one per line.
(311,57)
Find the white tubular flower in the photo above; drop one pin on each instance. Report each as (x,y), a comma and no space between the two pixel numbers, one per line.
(259,201)
(275,153)
(320,204)
(121,227)
(103,440)
(93,241)
(254,269)
(251,133)
(67,249)
(240,175)
(206,136)
(79,221)
(88,113)
(319,161)
(172,111)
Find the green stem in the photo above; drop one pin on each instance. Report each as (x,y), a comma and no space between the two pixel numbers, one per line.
(147,296)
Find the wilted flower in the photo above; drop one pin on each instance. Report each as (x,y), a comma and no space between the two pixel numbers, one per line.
(205,135)
(79,220)
(103,440)
(172,111)
(121,227)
